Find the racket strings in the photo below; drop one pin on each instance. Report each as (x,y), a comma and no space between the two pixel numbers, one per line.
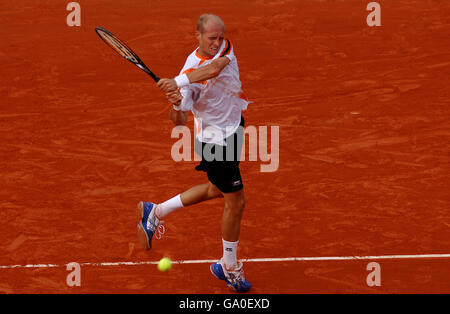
(119,47)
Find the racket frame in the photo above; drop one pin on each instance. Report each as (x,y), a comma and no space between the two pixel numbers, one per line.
(137,61)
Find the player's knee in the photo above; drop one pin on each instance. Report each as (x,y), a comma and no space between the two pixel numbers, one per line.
(236,203)
(213,191)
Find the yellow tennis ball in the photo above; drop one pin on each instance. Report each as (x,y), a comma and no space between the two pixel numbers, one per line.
(164,264)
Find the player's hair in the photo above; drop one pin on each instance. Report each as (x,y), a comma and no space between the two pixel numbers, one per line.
(204,18)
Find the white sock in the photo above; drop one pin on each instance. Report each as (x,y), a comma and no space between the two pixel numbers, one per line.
(230,253)
(169,206)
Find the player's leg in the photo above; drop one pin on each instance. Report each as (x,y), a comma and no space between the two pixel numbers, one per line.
(194,195)
(232,215)
(231,226)
(227,177)
(200,193)
(228,268)
(151,214)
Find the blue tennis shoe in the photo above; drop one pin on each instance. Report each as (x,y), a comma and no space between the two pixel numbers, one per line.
(234,278)
(149,225)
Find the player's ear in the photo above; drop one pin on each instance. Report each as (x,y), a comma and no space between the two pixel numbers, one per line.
(197,35)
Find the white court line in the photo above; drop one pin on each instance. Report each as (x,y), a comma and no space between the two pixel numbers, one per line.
(248,260)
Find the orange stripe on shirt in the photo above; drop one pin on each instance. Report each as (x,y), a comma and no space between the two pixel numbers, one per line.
(202,59)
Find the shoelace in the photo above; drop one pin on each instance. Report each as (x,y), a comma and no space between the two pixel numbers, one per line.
(236,276)
(160,230)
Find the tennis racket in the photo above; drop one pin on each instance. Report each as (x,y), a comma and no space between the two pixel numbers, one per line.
(122,49)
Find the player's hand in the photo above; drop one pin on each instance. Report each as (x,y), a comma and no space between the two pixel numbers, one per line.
(167,85)
(174,97)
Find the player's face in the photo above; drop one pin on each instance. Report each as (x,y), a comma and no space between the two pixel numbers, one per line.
(210,39)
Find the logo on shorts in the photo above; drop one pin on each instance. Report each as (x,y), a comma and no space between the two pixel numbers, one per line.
(236,183)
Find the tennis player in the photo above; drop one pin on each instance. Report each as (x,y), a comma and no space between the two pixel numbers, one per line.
(209,86)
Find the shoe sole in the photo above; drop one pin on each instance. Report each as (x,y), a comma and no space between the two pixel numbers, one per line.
(142,235)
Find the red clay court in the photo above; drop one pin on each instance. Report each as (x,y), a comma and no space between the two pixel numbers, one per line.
(364,124)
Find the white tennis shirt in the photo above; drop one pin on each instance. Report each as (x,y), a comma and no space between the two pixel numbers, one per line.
(216,103)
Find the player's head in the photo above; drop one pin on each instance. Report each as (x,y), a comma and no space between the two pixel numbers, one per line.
(210,33)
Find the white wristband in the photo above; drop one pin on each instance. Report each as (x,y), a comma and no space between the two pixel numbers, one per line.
(176,108)
(182,80)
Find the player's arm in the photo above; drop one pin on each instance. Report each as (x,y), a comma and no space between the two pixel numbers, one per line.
(209,71)
(177,116)
(201,74)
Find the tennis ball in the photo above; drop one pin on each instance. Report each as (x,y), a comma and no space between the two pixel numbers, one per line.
(164,264)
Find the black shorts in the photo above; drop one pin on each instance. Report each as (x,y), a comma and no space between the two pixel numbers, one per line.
(223,172)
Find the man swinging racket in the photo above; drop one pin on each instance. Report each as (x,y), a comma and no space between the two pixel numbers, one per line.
(209,86)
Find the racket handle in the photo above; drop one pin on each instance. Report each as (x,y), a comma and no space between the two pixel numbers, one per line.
(144,68)
(154,77)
